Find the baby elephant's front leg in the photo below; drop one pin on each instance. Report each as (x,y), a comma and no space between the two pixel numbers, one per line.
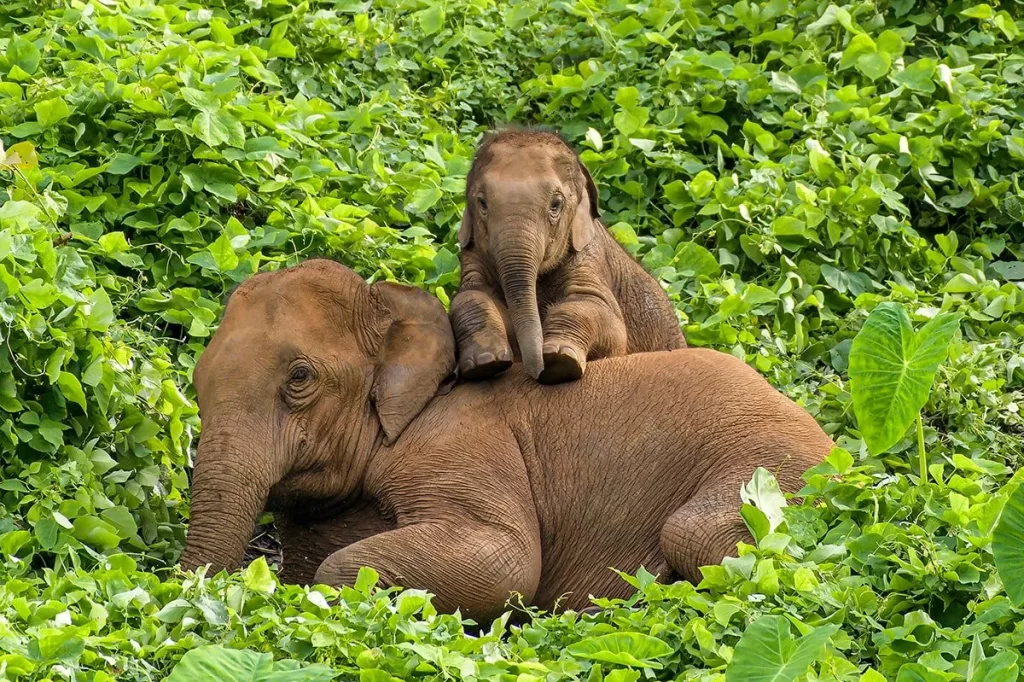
(473,568)
(480,335)
(580,329)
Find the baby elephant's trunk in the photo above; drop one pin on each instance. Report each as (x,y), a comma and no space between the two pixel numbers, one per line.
(518,272)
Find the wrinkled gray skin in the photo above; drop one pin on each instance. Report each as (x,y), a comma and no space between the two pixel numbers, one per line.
(317,395)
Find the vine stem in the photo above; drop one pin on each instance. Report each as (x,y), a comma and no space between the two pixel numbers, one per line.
(920,449)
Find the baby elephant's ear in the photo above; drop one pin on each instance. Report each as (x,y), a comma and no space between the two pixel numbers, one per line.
(466,229)
(416,354)
(595,209)
(583,223)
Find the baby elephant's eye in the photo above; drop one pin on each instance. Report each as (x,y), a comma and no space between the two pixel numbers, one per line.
(556,205)
(482,203)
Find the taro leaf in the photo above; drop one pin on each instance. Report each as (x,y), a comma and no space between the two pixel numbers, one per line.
(214,662)
(763,492)
(258,578)
(1008,545)
(631,649)
(767,652)
(892,370)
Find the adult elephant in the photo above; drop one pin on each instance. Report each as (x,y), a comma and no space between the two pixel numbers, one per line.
(318,398)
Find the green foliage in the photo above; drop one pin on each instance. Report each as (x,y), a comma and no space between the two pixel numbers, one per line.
(1008,541)
(214,662)
(784,168)
(892,370)
(767,652)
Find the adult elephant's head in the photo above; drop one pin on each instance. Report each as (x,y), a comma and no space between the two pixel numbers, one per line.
(310,370)
(529,201)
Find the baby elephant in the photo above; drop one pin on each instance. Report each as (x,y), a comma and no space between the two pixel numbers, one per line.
(320,400)
(533,249)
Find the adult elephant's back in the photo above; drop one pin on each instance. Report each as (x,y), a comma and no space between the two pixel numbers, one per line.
(646,441)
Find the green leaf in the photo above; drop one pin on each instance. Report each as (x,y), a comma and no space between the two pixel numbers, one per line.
(631,649)
(71,387)
(767,651)
(917,76)
(24,54)
(96,532)
(982,11)
(1008,546)
(122,164)
(702,184)
(763,492)
(100,312)
(694,260)
(214,662)
(479,36)
(223,253)
(874,65)
(258,578)
(431,19)
(892,370)
(49,112)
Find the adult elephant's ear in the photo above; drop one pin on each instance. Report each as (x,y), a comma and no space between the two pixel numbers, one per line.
(416,353)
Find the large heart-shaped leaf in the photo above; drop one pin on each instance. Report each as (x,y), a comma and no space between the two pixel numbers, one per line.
(216,663)
(1008,541)
(631,649)
(892,370)
(767,652)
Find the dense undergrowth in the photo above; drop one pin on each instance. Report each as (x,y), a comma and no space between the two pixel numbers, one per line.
(783,167)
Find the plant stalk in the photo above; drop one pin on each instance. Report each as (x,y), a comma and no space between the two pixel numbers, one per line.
(922,460)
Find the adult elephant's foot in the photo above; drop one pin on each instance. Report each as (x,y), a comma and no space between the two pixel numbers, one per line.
(562,362)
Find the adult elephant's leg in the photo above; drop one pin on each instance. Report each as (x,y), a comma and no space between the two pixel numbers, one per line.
(705,530)
(580,328)
(481,335)
(469,567)
(305,545)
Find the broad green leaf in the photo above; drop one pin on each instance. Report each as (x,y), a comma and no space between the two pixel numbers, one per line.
(258,578)
(431,19)
(122,164)
(632,649)
(223,252)
(100,312)
(767,652)
(49,112)
(24,54)
(214,662)
(71,387)
(96,532)
(874,65)
(892,370)
(694,260)
(763,492)
(1008,546)
(917,76)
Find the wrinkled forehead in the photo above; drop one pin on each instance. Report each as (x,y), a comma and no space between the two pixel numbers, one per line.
(539,162)
(274,320)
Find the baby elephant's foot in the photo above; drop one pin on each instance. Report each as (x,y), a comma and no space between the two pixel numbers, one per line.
(562,363)
(477,364)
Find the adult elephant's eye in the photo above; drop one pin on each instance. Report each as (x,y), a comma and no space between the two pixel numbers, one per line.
(556,206)
(299,376)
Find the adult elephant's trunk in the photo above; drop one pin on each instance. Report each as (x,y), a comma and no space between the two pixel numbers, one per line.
(230,484)
(517,268)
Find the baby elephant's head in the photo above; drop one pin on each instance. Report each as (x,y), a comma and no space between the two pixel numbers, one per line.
(309,370)
(529,202)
